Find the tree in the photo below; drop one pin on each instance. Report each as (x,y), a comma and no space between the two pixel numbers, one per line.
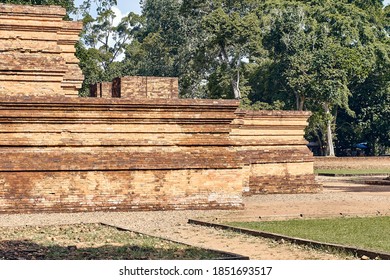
(233,29)
(202,42)
(156,48)
(322,50)
(103,41)
(371,103)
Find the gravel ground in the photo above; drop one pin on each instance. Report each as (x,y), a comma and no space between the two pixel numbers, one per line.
(173,226)
(340,197)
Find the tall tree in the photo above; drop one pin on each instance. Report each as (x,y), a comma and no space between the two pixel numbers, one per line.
(203,42)
(104,40)
(156,50)
(322,50)
(233,29)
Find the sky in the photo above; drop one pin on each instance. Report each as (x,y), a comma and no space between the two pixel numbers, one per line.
(123,8)
(132,6)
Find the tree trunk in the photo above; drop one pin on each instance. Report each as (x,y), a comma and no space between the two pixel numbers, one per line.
(329,133)
(321,150)
(235,80)
(300,101)
(236,86)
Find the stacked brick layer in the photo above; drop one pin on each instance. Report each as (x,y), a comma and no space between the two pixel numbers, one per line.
(274,152)
(137,87)
(37,51)
(66,154)
(145,87)
(148,150)
(101,90)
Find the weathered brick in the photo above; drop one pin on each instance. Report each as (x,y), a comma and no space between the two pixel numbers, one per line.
(144,87)
(74,191)
(67,154)
(271,144)
(37,51)
(101,90)
(148,150)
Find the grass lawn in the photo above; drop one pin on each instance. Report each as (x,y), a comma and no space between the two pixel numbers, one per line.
(352,171)
(91,242)
(371,233)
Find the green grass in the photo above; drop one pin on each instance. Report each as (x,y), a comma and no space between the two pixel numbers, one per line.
(92,242)
(368,233)
(352,171)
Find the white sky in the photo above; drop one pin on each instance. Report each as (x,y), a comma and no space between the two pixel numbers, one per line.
(130,6)
(125,6)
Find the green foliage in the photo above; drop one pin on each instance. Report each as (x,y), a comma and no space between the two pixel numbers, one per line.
(104,41)
(159,40)
(233,32)
(321,54)
(371,102)
(331,57)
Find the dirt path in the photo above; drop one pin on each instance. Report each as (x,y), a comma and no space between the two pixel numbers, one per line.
(253,247)
(341,197)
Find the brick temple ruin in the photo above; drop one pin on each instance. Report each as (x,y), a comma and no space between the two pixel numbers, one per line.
(136,145)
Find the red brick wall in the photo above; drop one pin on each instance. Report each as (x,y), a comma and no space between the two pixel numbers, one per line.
(272,146)
(75,191)
(145,150)
(101,90)
(66,154)
(137,87)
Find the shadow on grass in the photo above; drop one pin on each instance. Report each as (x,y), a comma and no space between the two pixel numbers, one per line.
(27,250)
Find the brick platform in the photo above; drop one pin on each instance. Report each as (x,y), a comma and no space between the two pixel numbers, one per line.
(274,152)
(82,154)
(138,148)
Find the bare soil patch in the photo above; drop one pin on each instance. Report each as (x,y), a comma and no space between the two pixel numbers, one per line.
(342,196)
